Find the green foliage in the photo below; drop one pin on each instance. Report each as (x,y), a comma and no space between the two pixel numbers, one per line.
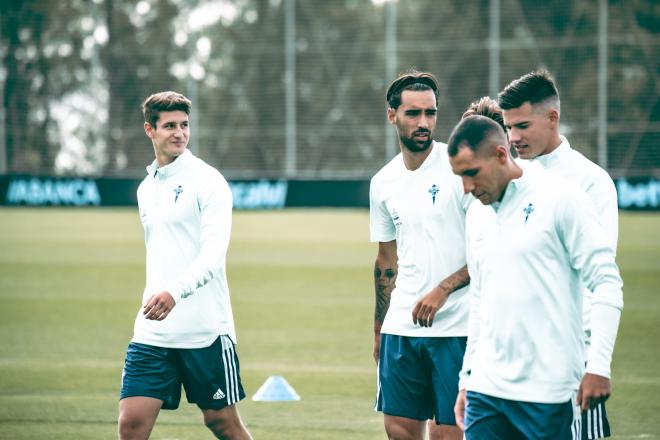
(71,282)
(74,73)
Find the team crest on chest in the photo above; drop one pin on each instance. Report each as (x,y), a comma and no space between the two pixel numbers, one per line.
(528,210)
(433,191)
(177,191)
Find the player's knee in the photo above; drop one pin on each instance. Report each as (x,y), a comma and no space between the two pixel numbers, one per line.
(131,427)
(219,427)
(226,428)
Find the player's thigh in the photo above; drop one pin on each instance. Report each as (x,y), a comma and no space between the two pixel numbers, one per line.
(137,415)
(151,371)
(404,379)
(211,375)
(445,360)
(485,419)
(404,428)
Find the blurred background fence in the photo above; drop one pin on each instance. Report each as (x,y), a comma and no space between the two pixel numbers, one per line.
(294,89)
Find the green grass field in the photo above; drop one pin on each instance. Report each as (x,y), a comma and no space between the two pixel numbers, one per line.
(71,282)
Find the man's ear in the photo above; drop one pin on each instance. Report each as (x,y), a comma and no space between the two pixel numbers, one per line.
(149,130)
(502,153)
(553,116)
(391,115)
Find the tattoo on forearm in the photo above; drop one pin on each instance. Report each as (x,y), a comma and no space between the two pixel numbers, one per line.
(384,280)
(455,281)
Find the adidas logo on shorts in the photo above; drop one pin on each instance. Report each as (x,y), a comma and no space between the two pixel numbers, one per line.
(219,395)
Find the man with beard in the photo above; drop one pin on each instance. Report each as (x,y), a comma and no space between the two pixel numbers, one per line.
(417,216)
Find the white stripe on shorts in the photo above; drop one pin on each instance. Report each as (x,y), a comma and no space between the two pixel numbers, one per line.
(595,423)
(231,376)
(576,426)
(377,386)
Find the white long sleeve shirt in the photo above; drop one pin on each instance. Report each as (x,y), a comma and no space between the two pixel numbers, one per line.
(528,256)
(593,180)
(185,209)
(424,211)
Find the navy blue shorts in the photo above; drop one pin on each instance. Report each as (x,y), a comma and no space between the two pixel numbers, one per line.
(209,375)
(488,417)
(418,377)
(594,423)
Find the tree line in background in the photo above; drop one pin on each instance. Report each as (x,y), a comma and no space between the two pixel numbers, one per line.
(74,73)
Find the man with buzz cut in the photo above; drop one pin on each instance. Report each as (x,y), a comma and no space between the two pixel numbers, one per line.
(531,111)
(417,215)
(531,244)
(184,332)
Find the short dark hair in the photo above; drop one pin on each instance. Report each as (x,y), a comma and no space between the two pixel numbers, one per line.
(488,107)
(410,80)
(164,102)
(533,87)
(472,132)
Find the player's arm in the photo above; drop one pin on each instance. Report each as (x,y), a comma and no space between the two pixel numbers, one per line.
(591,254)
(466,370)
(215,205)
(385,271)
(473,322)
(426,308)
(606,202)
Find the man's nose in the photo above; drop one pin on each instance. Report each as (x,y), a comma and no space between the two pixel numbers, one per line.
(468,185)
(514,135)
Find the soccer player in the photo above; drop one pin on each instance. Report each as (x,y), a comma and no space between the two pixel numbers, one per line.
(184,332)
(417,214)
(488,107)
(530,245)
(531,111)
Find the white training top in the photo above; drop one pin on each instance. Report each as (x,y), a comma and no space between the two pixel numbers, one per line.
(185,209)
(424,210)
(592,179)
(527,256)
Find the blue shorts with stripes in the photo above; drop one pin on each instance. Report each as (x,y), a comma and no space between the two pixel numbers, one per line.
(493,418)
(418,377)
(210,375)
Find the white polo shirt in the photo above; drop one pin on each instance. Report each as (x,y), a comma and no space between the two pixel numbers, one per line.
(593,180)
(528,257)
(185,209)
(424,211)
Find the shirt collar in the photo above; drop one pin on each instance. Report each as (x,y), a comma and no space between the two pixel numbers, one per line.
(427,161)
(171,168)
(515,185)
(555,155)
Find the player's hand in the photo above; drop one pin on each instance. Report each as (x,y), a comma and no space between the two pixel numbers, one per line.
(459,409)
(158,306)
(593,390)
(376,352)
(426,308)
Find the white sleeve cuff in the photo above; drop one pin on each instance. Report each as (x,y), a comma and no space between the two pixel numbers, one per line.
(176,293)
(604,326)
